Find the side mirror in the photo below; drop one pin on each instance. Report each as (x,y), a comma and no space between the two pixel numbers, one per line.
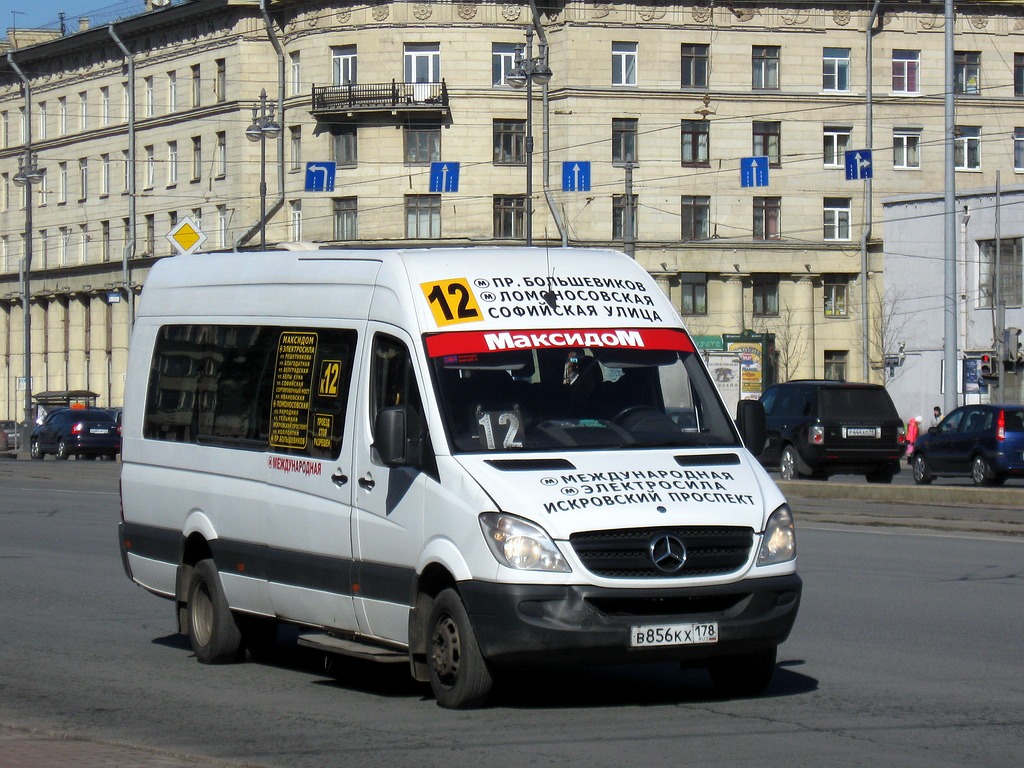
(390,436)
(750,420)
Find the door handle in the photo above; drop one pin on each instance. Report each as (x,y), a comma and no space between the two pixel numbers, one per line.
(367,482)
(339,479)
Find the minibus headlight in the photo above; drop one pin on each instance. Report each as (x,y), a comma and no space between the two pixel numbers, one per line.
(521,545)
(778,544)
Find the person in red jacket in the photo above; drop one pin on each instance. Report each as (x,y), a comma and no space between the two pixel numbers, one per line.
(913,427)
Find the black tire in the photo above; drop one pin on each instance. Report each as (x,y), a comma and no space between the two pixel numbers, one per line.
(35,451)
(212,631)
(62,451)
(922,472)
(981,471)
(790,464)
(747,675)
(458,672)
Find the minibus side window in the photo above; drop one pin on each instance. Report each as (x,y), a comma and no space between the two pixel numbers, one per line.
(393,383)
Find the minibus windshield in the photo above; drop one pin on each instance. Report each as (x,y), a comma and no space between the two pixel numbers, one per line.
(558,390)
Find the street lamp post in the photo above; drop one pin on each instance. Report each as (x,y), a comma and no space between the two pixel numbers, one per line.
(526,71)
(263,127)
(27,175)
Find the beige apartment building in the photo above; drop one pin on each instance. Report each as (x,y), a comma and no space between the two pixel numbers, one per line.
(651,136)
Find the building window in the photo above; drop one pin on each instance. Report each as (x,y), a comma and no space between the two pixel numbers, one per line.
(1010,268)
(83,243)
(696,217)
(967,148)
(423,216)
(693,293)
(62,117)
(62,182)
(104,106)
(295,79)
(149,97)
(967,72)
(105,240)
(509,216)
(295,217)
(83,111)
(295,147)
(503,61)
(172,91)
(766,295)
(127,169)
(42,120)
(150,152)
(694,66)
(126,107)
(222,226)
(150,234)
(221,160)
(83,178)
(906,67)
(509,142)
(836,218)
(767,218)
(422,63)
(696,135)
(345,211)
(835,69)
(767,142)
(344,146)
(624,63)
(835,287)
(906,148)
(835,143)
(220,85)
(197,85)
(422,144)
(343,65)
(619,215)
(1018,149)
(172,163)
(765,62)
(197,158)
(104,174)
(624,140)
(835,364)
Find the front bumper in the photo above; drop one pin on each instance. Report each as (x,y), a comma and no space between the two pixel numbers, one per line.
(530,624)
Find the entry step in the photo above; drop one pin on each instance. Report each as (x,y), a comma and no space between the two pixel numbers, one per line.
(356,648)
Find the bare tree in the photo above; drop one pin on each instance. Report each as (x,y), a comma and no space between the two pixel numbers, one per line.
(886,325)
(791,343)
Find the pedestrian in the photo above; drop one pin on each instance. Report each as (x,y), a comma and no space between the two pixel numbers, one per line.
(936,416)
(913,429)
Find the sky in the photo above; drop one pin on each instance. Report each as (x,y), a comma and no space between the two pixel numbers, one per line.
(46,13)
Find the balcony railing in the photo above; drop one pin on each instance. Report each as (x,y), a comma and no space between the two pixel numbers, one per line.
(370,97)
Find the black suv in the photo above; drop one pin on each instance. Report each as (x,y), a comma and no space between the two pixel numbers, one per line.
(822,428)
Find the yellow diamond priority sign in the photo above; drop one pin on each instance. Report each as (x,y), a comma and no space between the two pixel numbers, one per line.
(186,237)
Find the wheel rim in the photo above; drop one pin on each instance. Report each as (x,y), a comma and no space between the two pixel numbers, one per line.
(919,472)
(446,649)
(788,468)
(978,470)
(201,614)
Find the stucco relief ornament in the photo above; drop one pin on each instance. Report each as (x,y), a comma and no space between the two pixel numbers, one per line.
(381,12)
(313,19)
(793,18)
(511,12)
(422,11)
(933,22)
(743,14)
(601,10)
(701,13)
(841,16)
(650,14)
(979,22)
(467,10)
(343,16)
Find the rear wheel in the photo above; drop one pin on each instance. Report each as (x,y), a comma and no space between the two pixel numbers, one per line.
(746,675)
(981,472)
(458,672)
(62,451)
(922,472)
(212,631)
(789,464)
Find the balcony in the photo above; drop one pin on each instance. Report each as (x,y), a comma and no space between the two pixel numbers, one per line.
(390,97)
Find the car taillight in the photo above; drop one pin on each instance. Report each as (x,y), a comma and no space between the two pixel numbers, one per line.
(77,429)
(816,435)
(1001,426)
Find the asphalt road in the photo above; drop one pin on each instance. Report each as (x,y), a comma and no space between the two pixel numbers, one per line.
(906,652)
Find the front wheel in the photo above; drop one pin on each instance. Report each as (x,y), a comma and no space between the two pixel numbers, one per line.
(35,451)
(922,473)
(458,672)
(212,631)
(745,675)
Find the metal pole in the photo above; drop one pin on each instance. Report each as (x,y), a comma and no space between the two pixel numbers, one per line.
(26,301)
(263,188)
(949,347)
(529,137)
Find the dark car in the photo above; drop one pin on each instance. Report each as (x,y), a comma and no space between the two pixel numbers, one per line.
(983,442)
(823,428)
(76,432)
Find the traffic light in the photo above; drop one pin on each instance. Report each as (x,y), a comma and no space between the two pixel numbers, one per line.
(1011,344)
(987,367)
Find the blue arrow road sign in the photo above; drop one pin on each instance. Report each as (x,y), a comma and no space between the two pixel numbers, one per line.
(320,177)
(754,171)
(444,177)
(576,176)
(858,164)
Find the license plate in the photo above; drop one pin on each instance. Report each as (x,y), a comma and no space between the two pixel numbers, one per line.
(653,635)
(861,432)
(99,431)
